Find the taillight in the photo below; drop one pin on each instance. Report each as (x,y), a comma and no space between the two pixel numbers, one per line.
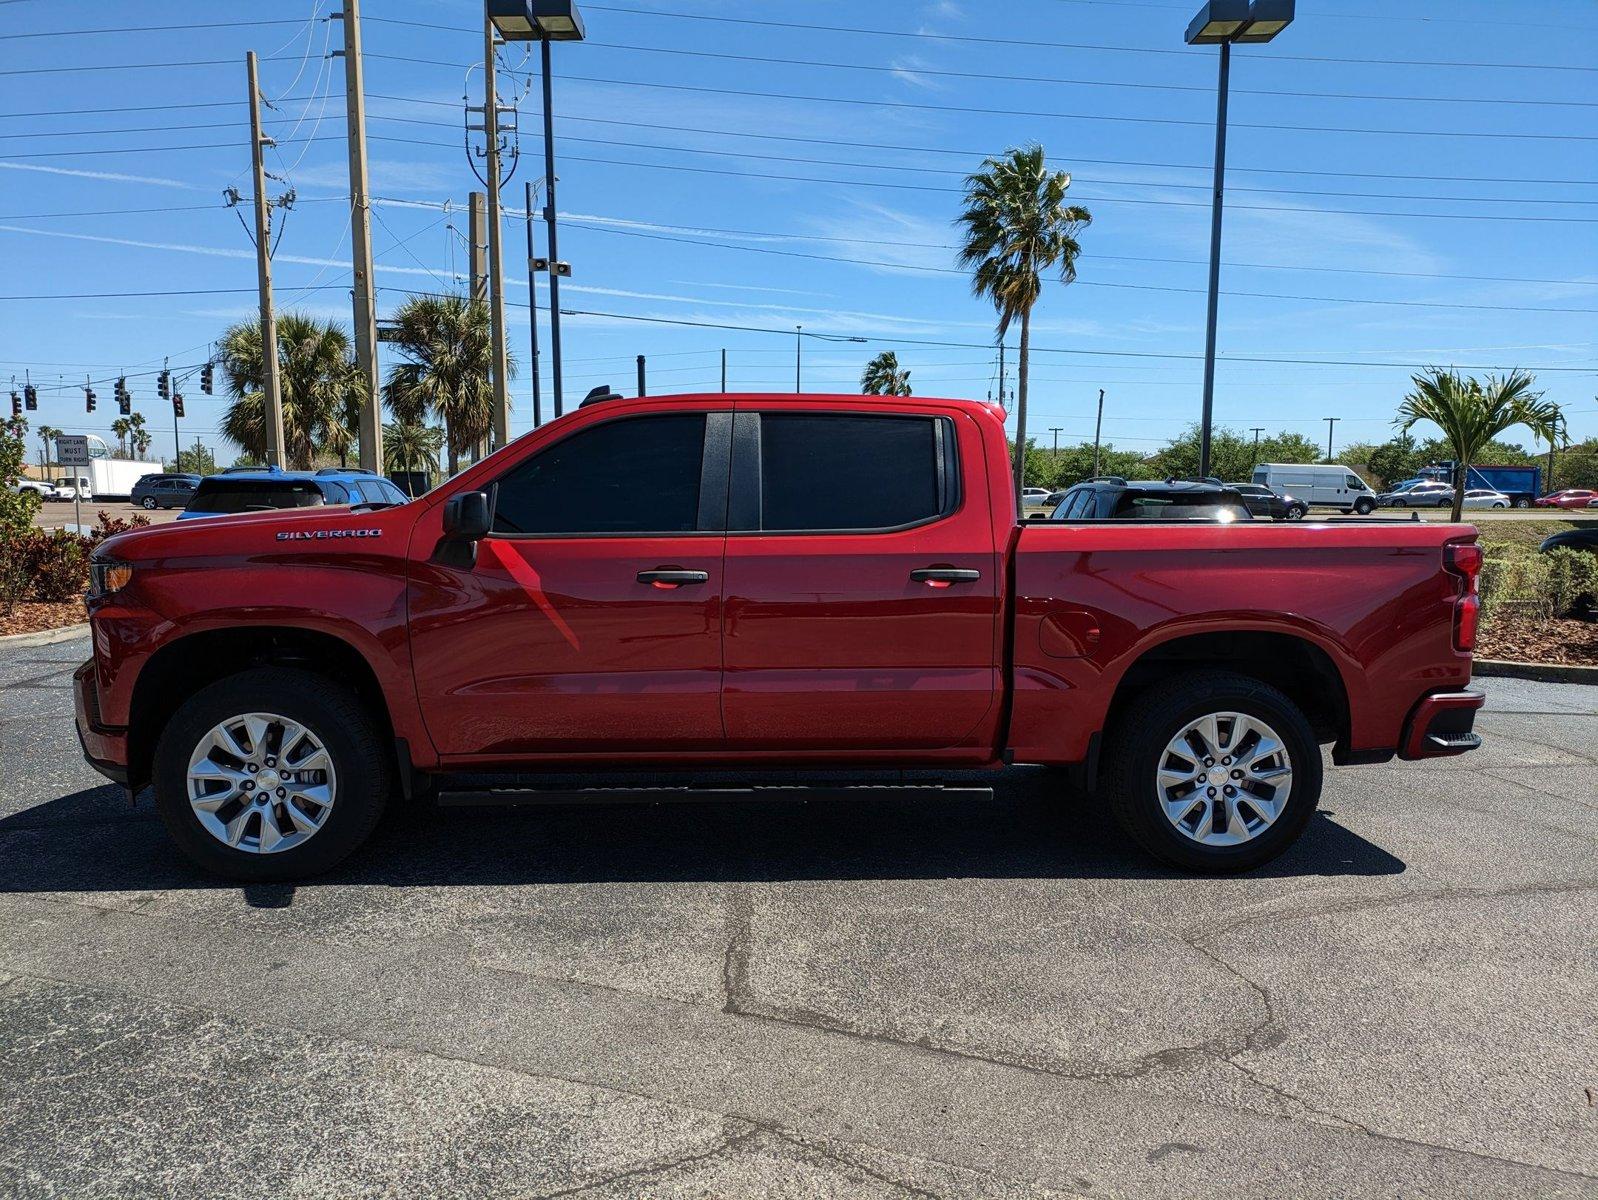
(1463,561)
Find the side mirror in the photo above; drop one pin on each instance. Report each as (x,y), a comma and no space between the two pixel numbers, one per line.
(466,522)
(466,517)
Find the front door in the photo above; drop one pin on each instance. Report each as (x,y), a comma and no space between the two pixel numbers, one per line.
(862,582)
(591,620)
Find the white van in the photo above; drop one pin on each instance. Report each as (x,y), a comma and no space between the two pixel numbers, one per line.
(1319,483)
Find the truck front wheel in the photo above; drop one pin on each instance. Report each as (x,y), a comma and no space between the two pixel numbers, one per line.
(1213,771)
(272,774)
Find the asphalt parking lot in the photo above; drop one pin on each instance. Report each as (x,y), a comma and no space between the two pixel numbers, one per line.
(869,999)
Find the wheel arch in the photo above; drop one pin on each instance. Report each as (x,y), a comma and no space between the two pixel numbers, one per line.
(184,665)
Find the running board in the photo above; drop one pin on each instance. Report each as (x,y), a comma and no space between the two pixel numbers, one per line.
(482,797)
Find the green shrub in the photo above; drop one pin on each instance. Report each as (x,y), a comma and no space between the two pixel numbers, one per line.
(1572,580)
(1540,586)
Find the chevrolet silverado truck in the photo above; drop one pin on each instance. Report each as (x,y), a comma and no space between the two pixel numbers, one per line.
(811,585)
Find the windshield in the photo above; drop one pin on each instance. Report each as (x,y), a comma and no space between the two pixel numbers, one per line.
(218,495)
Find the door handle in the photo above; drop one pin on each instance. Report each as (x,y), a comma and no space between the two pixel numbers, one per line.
(672,577)
(942,577)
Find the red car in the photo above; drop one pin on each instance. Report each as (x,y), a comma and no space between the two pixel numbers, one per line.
(1569,498)
(802,583)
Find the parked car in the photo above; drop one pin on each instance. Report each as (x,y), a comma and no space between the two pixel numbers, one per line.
(1263,502)
(1425,494)
(70,489)
(263,490)
(1569,498)
(1114,498)
(1324,484)
(1030,496)
(1571,539)
(39,487)
(280,676)
(164,491)
(1483,498)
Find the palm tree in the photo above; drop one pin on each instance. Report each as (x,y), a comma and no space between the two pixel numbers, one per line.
(120,428)
(1017,226)
(409,447)
(884,377)
(447,344)
(138,435)
(1472,413)
(47,437)
(316,376)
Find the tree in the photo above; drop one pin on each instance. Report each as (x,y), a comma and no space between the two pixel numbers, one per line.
(16,510)
(47,437)
(1472,413)
(197,460)
(413,447)
(138,435)
(1017,226)
(1232,455)
(120,428)
(884,377)
(316,377)
(448,348)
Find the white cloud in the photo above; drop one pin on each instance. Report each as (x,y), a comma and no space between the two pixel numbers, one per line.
(110,176)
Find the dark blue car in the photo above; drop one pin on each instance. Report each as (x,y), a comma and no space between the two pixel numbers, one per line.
(268,488)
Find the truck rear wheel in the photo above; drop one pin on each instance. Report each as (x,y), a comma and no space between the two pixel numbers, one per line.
(1213,771)
(272,774)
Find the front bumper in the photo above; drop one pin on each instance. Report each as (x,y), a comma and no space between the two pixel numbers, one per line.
(1442,725)
(106,747)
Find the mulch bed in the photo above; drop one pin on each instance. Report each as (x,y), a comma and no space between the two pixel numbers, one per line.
(30,616)
(1519,639)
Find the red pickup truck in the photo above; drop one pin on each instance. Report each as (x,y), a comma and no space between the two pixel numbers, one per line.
(753,583)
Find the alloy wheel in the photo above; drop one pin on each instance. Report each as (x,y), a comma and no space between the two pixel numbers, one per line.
(1224,779)
(261,783)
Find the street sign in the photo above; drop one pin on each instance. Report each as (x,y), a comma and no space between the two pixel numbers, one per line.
(72,449)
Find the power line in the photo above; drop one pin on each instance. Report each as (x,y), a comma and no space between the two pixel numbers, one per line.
(993,41)
(65,33)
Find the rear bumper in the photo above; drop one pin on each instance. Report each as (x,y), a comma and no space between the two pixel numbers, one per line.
(105,747)
(1442,725)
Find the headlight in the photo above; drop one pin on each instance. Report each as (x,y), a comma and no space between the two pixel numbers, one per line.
(108,575)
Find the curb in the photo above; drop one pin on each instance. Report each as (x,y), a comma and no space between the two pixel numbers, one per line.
(1541,672)
(46,637)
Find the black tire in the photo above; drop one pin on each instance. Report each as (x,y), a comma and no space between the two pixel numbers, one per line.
(149,503)
(346,729)
(1364,506)
(1297,512)
(1139,739)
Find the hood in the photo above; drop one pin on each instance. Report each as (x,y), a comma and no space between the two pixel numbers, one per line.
(248,533)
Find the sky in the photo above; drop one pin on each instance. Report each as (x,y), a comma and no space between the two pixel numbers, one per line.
(1409,182)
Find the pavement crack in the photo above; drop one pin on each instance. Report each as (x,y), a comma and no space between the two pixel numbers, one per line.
(735,961)
(730,1139)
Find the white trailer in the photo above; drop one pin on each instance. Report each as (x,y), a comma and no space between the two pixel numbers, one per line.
(115,477)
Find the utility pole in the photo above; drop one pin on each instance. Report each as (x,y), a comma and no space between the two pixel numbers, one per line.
(371,431)
(496,252)
(1217,197)
(641,390)
(1098,427)
(1256,430)
(1056,431)
(724,391)
(263,267)
(1001,378)
(1548,480)
(532,308)
(177,442)
(550,222)
(798,342)
(1330,423)
(477,235)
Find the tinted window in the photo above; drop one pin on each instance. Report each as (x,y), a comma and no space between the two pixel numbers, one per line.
(336,493)
(847,472)
(1076,504)
(639,475)
(1175,506)
(253,495)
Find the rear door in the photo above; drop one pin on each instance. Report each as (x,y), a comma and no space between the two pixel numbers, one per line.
(590,622)
(862,582)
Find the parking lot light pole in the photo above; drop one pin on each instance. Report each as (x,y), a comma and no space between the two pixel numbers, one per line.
(1221,23)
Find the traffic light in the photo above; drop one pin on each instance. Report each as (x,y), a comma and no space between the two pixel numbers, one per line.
(177,404)
(31,395)
(205,378)
(163,385)
(16,405)
(88,398)
(124,397)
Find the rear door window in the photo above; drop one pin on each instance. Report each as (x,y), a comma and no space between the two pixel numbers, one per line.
(859,473)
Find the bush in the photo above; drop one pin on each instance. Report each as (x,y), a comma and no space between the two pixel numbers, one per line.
(52,565)
(1562,583)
